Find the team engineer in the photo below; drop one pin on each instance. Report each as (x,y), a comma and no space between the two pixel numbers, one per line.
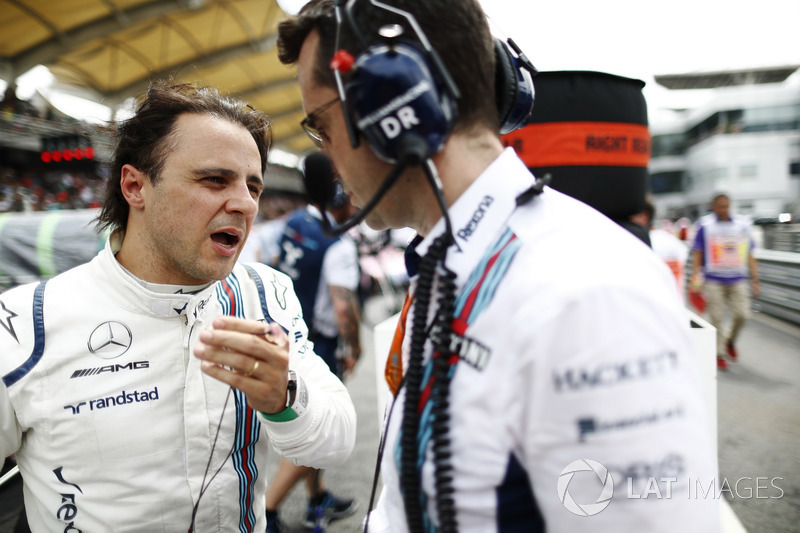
(142,389)
(569,341)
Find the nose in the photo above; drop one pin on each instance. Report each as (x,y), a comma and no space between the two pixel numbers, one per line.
(241,200)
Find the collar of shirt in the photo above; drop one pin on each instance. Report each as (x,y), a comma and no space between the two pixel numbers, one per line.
(138,295)
(479,214)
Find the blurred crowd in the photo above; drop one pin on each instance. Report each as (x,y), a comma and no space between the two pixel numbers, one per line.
(34,190)
(26,188)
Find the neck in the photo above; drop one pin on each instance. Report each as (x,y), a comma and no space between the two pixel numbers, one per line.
(131,254)
(464,158)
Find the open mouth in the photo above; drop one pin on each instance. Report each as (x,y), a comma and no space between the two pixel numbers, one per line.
(228,240)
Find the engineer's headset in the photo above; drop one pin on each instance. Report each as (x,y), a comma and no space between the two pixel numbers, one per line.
(402,100)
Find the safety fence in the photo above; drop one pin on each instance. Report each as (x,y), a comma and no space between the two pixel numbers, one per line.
(782,237)
(779,272)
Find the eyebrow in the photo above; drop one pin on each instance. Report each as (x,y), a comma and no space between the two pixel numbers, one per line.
(227,173)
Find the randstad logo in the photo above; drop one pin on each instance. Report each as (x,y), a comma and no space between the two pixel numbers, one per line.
(585,509)
(123,398)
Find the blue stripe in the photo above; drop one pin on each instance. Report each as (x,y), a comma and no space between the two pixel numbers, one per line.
(236,459)
(38,339)
(242,431)
(222,298)
(479,270)
(246,487)
(233,282)
(262,295)
(493,279)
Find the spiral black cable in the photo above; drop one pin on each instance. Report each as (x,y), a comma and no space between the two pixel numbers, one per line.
(409,473)
(441,338)
(442,335)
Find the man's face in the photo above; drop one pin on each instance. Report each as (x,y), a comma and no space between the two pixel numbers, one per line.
(360,170)
(200,211)
(722,208)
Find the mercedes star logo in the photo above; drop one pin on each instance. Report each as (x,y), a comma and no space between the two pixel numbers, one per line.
(110,340)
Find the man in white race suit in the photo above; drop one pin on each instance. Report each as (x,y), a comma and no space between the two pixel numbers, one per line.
(141,390)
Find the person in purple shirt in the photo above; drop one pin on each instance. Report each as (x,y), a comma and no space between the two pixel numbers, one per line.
(723,247)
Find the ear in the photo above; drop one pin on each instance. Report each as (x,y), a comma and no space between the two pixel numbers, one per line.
(132,182)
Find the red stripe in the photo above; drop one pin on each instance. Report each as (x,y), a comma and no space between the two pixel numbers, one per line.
(473,295)
(231,297)
(460,323)
(426,392)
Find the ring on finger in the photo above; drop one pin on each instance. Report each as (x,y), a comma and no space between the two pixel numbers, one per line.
(252,370)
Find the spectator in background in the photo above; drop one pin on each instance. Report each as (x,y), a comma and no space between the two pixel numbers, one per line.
(722,258)
(263,243)
(666,246)
(326,277)
(5,202)
(276,209)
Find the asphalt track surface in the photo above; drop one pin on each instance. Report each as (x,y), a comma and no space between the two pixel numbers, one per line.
(758,432)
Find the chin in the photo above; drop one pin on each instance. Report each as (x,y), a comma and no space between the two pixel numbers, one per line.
(221,270)
(376,223)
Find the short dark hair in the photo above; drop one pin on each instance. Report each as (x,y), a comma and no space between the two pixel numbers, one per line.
(718,196)
(457,30)
(144,139)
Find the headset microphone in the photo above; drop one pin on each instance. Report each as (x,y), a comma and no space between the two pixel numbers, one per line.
(321,187)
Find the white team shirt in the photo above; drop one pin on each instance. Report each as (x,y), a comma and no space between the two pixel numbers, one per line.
(577,348)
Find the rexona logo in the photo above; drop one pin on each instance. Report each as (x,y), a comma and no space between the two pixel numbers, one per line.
(69,505)
(123,398)
(477,216)
(585,509)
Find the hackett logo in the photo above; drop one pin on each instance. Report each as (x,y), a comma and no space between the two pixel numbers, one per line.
(577,379)
(123,398)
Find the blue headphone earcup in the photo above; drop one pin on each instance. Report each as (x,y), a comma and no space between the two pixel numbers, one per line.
(513,89)
(397,103)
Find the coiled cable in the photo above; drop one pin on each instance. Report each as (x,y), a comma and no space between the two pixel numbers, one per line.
(441,335)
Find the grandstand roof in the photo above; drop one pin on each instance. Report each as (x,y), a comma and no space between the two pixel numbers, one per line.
(712,80)
(116,47)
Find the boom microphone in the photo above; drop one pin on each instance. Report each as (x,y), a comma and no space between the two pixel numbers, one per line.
(320,184)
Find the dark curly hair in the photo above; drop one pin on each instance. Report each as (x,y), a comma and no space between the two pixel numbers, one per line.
(144,140)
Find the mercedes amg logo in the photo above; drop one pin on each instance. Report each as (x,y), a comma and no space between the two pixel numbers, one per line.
(110,340)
